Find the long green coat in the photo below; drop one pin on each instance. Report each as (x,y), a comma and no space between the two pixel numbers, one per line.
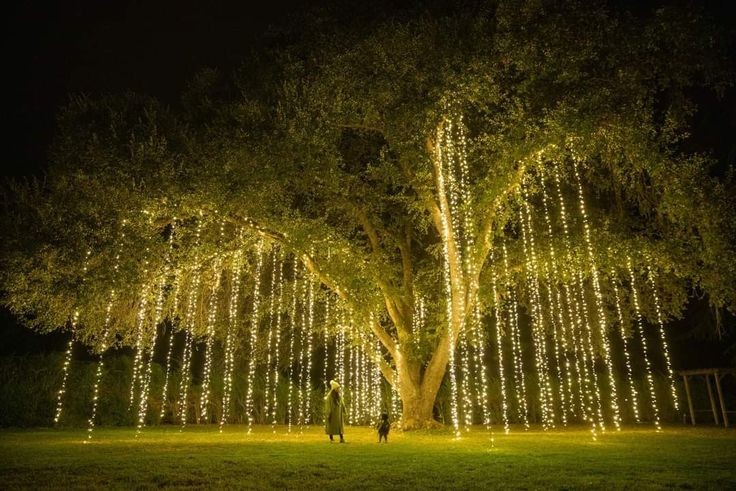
(335,414)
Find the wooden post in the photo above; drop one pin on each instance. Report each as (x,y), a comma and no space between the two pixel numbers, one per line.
(720,398)
(712,400)
(689,400)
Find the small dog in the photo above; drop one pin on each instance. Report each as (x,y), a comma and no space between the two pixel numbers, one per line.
(384,426)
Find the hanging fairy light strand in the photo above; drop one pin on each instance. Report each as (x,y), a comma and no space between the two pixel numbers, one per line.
(277,342)
(172,316)
(538,335)
(157,318)
(308,351)
(271,327)
(65,369)
(469,241)
(587,386)
(185,369)
(170,349)
(303,294)
(209,343)
(249,403)
(378,403)
(204,400)
(445,225)
(644,346)
(185,379)
(140,334)
(518,360)
(627,355)
(557,317)
(105,333)
(498,321)
(74,323)
(232,327)
(292,338)
(663,338)
(602,328)
(326,341)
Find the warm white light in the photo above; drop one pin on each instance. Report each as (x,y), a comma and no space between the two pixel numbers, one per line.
(249,403)
(645,349)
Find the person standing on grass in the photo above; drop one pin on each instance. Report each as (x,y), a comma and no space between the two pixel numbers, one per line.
(335,412)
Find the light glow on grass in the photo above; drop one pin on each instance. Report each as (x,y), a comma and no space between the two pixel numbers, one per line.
(633,458)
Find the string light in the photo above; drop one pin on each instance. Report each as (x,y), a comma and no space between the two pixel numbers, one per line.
(301,400)
(613,400)
(209,342)
(353,364)
(249,404)
(292,326)
(377,377)
(174,309)
(645,350)
(277,335)
(271,323)
(499,346)
(340,348)
(663,338)
(361,373)
(448,285)
(105,334)
(158,316)
(578,313)
(558,321)
(627,356)
(185,378)
(308,335)
(65,368)
(465,382)
(165,390)
(587,339)
(326,341)
(395,392)
(537,322)
(69,349)
(519,377)
(186,373)
(569,322)
(468,240)
(232,328)
(140,326)
(204,400)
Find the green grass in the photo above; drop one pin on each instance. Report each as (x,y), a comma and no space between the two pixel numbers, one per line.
(201,457)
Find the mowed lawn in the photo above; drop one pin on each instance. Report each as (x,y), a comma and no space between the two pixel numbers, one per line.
(202,457)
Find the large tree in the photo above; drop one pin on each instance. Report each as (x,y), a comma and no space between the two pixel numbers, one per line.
(392,162)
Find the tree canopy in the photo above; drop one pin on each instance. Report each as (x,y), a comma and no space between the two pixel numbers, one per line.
(332,148)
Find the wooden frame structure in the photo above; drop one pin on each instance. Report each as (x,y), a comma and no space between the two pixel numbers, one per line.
(717,374)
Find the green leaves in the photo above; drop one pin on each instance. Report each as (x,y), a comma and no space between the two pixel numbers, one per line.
(325,143)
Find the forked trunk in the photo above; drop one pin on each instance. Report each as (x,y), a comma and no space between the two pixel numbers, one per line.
(419,392)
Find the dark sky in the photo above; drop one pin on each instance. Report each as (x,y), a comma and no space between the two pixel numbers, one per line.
(57,48)
(53,49)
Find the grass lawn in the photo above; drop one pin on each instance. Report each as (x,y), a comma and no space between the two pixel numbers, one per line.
(202,457)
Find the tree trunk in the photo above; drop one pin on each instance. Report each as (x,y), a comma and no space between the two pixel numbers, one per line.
(417,412)
(419,391)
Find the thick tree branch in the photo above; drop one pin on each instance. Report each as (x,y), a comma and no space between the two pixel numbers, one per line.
(392,306)
(313,267)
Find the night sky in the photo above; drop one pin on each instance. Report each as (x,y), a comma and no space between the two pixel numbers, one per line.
(54,49)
